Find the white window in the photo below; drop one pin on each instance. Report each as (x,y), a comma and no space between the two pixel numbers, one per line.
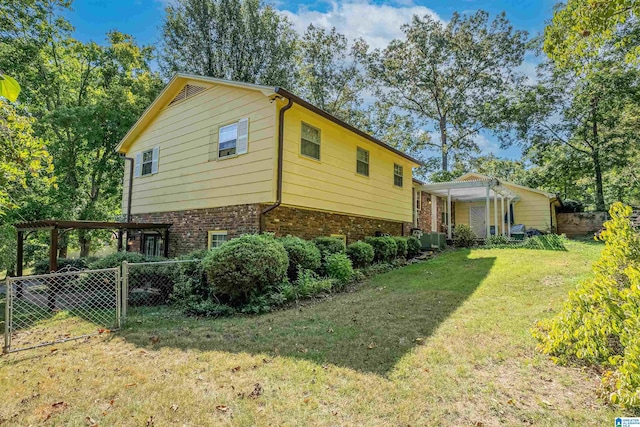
(147,162)
(310,142)
(362,162)
(216,238)
(232,139)
(397,175)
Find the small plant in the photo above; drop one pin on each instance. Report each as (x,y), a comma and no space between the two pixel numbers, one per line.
(246,266)
(464,236)
(414,247)
(360,253)
(385,248)
(302,254)
(339,267)
(307,285)
(208,308)
(401,243)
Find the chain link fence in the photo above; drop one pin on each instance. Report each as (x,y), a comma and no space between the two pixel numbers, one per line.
(57,307)
(151,286)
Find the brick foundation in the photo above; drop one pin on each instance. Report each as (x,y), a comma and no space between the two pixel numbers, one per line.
(190,228)
(189,231)
(308,224)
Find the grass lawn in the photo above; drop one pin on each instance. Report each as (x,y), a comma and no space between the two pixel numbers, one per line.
(444,342)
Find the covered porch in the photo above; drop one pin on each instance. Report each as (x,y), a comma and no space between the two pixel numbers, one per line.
(480,194)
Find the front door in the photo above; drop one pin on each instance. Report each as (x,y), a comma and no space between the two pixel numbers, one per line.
(477,218)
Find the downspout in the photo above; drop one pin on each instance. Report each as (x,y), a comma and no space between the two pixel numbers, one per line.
(280,161)
(130,187)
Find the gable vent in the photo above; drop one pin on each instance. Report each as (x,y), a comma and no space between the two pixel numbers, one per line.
(187,92)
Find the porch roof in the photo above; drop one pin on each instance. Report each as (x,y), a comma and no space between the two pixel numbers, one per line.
(470,191)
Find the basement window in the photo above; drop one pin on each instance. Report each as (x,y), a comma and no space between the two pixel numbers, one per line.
(216,238)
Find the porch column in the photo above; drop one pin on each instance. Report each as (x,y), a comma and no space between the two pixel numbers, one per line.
(20,254)
(449,214)
(487,207)
(495,212)
(434,213)
(53,250)
(509,217)
(502,215)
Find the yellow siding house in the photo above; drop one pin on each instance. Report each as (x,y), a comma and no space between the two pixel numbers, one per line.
(218,159)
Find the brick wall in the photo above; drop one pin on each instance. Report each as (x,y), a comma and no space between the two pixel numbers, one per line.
(190,227)
(308,224)
(424,215)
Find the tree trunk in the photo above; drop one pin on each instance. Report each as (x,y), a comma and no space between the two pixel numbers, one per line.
(85,244)
(600,206)
(444,146)
(597,167)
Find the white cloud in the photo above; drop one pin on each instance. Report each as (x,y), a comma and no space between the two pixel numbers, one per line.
(486,145)
(377,24)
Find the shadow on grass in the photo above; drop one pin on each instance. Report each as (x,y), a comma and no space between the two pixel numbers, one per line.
(368,330)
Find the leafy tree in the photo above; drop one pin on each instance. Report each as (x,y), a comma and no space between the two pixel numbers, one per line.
(581,27)
(240,40)
(330,76)
(492,165)
(584,114)
(451,75)
(71,88)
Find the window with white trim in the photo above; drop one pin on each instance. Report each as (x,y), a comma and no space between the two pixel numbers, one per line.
(397,175)
(146,162)
(362,162)
(228,136)
(216,238)
(310,141)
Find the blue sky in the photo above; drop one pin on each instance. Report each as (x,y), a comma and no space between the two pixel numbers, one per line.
(377,21)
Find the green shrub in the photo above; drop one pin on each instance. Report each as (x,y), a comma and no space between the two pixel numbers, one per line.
(496,240)
(329,245)
(42,266)
(401,243)
(360,253)
(116,259)
(191,286)
(302,254)
(308,284)
(463,236)
(339,267)
(414,247)
(384,248)
(263,301)
(599,323)
(208,308)
(246,265)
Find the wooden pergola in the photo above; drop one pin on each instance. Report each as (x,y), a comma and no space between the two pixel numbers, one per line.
(56,228)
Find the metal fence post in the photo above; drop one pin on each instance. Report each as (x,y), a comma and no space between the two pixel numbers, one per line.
(118,286)
(7,317)
(124,292)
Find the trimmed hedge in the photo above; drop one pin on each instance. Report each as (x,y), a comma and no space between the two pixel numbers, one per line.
(329,245)
(384,248)
(401,243)
(361,254)
(246,265)
(302,254)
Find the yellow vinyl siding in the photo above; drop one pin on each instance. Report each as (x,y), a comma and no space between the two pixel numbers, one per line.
(186,179)
(332,184)
(532,210)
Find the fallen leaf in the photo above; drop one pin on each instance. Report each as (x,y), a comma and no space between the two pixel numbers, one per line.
(174,407)
(257,391)
(150,422)
(154,339)
(330,330)
(372,346)
(236,369)
(222,408)
(478,424)
(306,400)
(59,405)
(419,341)
(102,331)
(131,385)
(90,422)
(53,350)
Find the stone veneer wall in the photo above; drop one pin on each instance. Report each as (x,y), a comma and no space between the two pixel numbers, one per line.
(308,224)
(190,227)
